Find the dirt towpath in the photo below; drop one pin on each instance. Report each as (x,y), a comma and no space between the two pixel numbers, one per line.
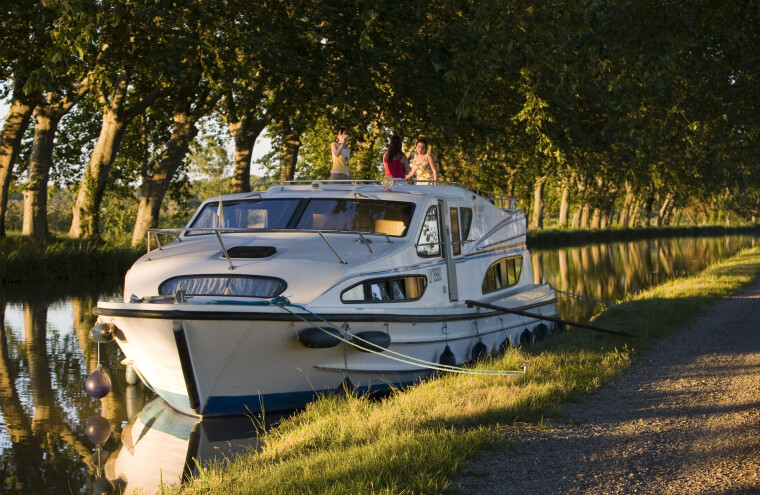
(684,420)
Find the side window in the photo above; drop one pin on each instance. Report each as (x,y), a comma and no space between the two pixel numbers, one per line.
(396,289)
(429,244)
(502,274)
(465,215)
(461,220)
(456,243)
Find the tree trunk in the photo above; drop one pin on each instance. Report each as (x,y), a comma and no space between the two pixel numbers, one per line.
(85,222)
(154,186)
(586,216)
(633,219)
(86,212)
(537,221)
(35,193)
(564,205)
(647,210)
(291,145)
(665,209)
(596,218)
(582,191)
(16,123)
(627,202)
(244,132)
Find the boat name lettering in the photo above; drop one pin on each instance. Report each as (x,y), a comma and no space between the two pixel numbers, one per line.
(435,274)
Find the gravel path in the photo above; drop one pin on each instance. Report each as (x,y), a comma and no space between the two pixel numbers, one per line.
(685,419)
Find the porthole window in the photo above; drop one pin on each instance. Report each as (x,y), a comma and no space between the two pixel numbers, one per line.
(502,274)
(395,289)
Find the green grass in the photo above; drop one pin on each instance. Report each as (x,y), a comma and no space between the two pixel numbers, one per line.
(419,440)
(61,261)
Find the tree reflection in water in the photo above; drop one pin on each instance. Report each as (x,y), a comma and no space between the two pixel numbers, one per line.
(608,272)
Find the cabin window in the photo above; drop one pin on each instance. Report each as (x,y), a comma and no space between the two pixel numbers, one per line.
(456,244)
(429,243)
(461,219)
(223,285)
(354,215)
(396,289)
(502,274)
(260,214)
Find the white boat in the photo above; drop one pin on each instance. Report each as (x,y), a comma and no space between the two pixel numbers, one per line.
(268,299)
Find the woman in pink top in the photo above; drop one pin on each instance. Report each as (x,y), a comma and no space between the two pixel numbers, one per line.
(394,160)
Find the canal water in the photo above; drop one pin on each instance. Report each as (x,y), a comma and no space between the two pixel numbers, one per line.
(54,438)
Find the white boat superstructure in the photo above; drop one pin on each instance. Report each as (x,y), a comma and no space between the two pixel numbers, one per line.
(267,299)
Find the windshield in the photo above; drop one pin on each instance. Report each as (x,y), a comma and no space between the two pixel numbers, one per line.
(385,217)
(262,214)
(356,215)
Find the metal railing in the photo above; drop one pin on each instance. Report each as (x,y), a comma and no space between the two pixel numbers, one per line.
(503,202)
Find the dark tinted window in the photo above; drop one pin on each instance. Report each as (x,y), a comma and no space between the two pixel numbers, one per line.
(396,289)
(384,217)
(502,274)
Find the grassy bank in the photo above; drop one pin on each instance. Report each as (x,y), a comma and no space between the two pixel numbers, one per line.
(61,261)
(568,237)
(419,440)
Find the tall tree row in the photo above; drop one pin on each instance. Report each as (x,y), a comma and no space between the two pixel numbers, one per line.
(600,112)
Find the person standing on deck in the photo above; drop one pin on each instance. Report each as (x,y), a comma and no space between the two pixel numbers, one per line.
(340,153)
(395,162)
(423,164)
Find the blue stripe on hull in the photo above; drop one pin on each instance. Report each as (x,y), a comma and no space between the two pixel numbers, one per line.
(233,405)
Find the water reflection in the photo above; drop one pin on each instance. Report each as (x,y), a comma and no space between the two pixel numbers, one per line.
(46,355)
(592,275)
(161,445)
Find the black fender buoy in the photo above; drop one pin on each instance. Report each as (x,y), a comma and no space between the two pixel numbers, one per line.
(479,351)
(375,341)
(526,337)
(319,337)
(102,333)
(447,357)
(98,430)
(541,331)
(504,347)
(98,384)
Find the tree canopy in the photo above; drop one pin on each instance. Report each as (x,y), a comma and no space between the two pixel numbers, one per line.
(588,112)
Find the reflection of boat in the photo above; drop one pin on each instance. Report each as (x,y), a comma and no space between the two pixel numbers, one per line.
(385,268)
(161,445)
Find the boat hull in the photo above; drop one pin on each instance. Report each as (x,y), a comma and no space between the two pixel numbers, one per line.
(213,360)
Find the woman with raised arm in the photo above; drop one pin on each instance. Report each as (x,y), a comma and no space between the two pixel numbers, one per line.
(340,153)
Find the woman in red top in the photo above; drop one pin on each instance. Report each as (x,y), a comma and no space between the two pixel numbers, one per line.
(394,160)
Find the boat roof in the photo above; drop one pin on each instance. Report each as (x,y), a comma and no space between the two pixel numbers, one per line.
(324,188)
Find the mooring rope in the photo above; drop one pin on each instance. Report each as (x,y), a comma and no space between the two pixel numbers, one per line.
(283,303)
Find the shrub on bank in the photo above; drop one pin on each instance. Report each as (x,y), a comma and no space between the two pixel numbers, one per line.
(64,259)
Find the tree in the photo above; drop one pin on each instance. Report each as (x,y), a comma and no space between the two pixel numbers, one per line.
(126,82)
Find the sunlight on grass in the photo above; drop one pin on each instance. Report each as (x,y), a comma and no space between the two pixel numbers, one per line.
(418,440)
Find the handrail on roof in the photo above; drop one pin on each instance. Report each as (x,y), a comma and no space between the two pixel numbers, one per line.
(503,202)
